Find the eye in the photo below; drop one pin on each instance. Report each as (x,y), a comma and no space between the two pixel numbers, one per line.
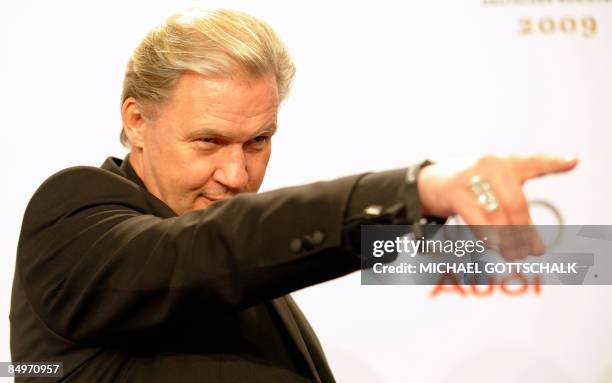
(259,142)
(208,142)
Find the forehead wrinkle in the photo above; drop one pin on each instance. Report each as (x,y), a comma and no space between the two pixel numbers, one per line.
(237,116)
(217,90)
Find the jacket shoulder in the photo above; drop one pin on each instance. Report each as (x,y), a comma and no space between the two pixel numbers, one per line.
(88,177)
(79,187)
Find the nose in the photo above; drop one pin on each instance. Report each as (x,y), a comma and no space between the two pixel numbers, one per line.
(231,169)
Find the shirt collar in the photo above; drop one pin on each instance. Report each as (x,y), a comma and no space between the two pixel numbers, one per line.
(128,170)
(123,168)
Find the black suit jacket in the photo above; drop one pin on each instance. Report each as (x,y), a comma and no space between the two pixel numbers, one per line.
(111,282)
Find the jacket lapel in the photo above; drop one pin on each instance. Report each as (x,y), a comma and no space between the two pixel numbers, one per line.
(281,306)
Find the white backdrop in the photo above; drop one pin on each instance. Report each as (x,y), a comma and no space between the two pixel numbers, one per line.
(380,84)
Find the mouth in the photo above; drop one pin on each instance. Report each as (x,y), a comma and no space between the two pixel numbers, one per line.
(210,199)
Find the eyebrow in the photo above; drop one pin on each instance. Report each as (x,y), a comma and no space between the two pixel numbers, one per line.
(212,132)
(270,129)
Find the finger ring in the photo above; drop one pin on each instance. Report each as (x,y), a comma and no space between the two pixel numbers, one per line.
(485,196)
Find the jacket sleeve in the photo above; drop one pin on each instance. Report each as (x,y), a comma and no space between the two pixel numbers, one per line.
(96,265)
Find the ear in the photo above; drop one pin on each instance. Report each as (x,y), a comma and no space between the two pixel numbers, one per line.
(134,122)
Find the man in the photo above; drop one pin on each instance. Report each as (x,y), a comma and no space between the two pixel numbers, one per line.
(166,266)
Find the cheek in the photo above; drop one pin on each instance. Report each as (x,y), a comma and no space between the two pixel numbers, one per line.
(194,173)
(162,154)
(256,165)
(180,169)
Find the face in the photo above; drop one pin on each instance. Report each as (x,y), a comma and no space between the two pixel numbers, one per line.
(210,141)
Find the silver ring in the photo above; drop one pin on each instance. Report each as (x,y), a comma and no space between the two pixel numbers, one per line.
(485,196)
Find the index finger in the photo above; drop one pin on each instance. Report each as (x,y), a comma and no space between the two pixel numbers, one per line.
(536,166)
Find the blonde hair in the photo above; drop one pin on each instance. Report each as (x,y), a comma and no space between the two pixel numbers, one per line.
(211,43)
